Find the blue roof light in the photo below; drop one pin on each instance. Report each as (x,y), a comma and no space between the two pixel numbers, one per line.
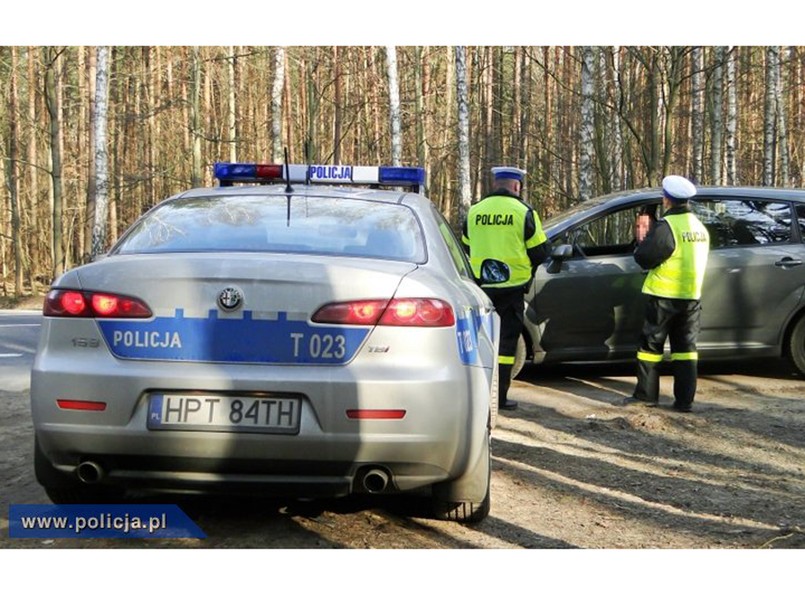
(399,175)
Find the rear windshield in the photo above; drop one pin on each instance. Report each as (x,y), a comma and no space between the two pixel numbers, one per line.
(316,225)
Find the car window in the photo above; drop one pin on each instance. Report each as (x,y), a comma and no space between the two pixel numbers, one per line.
(458,255)
(609,234)
(320,225)
(735,222)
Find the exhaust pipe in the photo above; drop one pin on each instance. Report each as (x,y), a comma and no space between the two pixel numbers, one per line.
(375,481)
(89,472)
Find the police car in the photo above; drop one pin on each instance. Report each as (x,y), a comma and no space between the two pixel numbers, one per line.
(296,330)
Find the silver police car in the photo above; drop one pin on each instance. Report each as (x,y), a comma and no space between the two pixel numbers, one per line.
(293,331)
(586,303)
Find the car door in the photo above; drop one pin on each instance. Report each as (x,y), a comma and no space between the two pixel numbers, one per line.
(592,308)
(755,274)
(477,324)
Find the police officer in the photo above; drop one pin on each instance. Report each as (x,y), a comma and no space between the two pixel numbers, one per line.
(675,252)
(504,229)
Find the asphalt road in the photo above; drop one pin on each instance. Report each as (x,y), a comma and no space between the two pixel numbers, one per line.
(19,334)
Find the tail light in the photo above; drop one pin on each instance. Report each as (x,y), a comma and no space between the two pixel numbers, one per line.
(84,304)
(399,312)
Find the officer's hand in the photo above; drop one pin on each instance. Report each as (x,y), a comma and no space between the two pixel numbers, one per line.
(642,226)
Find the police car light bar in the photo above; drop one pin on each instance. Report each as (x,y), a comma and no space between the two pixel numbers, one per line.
(229,173)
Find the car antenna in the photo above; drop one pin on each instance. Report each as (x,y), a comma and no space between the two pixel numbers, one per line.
(307,162)
(288,188)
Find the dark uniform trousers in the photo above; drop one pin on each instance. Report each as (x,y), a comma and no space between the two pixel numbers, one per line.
(509,306)
(679,321)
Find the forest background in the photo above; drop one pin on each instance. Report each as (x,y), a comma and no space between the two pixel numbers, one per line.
(92,136)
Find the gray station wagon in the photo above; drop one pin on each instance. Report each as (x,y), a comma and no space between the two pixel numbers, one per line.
(585,303)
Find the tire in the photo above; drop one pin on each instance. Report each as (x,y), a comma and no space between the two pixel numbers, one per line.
(468,499)
(519,357)
(796,345)
(65,489)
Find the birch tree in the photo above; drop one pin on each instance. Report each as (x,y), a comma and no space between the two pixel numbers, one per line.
(101,157)
(462,102)
(587,129)
(232,111)
(770,115)
(276,103)
(617,135)
(91,191)
(782,120)
(732,119)
(394,105)
(717,115)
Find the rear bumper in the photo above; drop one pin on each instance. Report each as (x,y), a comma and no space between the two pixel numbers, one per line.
(446,413)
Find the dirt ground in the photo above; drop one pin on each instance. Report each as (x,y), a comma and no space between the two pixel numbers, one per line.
(572,469)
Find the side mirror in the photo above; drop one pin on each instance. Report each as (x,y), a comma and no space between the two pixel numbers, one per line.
(494,272)
(559,254)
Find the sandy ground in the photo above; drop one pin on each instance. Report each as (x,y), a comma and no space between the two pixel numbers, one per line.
(572,469)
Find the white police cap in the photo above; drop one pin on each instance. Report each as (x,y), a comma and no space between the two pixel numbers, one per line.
(508,172)
(678,188)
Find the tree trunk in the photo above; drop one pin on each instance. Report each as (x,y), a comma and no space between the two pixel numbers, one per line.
(52,94)
(101,157)
(116,143)
(195,118)
(446,203)
(312,116)
(732,119)
(770,116)
(782,122)
(697,114)
(524,129)
(338,108)
(276,104)
(12,170)
(38,237)
(422,128)
(232,111)
(465,198)
(587,129)
(717,116)
(91,175)
(394,106)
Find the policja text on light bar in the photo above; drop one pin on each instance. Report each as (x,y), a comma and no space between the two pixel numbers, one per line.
(229,173)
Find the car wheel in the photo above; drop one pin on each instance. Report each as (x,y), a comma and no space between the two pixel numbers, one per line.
(64,489)
(796,345)
(468,499)
(519,357)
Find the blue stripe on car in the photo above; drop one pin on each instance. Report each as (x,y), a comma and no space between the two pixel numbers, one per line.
(245,340)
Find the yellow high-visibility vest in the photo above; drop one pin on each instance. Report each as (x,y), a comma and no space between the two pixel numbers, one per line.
(496,229)
(682,274)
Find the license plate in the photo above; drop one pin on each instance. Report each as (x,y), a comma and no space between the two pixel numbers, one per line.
(260,414)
